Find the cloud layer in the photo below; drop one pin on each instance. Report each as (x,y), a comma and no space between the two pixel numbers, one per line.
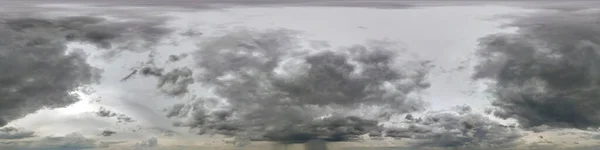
(547,72)
(39,72)
(14,133)
(456,128)
(267,88)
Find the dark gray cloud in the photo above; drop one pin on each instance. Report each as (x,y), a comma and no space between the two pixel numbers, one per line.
(134,72)
(288,126)
(242,64)
(124,119)
(121,118)
(174,58)
(103,112)
(547,72)
(152,71)
(328,129)
(14,133)
(459,128)
(107,133)
(134,35)
(38,70)
(267,88)
(176,81)
(173,83)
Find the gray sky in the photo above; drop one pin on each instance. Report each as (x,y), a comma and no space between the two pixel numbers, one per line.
(422,61)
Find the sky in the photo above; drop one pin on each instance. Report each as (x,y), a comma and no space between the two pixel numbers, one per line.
(300,74)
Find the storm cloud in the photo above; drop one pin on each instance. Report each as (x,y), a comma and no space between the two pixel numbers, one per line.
(455,128)
(73,141)
(547,72)
(267,87)
(39,71)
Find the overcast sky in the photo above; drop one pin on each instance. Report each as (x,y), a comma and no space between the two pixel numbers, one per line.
(152,74)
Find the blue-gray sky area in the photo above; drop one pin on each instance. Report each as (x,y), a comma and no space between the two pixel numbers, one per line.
(299,74)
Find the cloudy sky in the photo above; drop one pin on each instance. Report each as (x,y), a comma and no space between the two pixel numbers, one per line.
(299,74)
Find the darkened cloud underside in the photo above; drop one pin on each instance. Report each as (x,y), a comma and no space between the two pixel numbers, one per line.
(547,72)
(38,71)
(456,128)
(268,88)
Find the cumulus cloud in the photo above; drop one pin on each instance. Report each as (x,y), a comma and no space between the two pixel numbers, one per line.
(39,72)
(457,128)
(268,88)
(547,72)
(121,118)
(107,133)
(174,82)
(174,58)
(124,119)
(103,112)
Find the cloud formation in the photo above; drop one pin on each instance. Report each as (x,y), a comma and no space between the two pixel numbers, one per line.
(121,118)
(39,71)
(547,72)
(103,112)
(456,128)
(267,88)
(175,82)
(14,133)
(107,133)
